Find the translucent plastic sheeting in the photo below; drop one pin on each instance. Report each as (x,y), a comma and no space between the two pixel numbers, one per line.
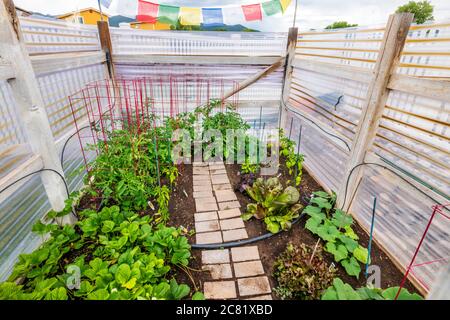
(427,51)
(335,101)
(131,41)
(44,36)
(56,87)
(17,216)
(401,218)
(356,47)
(14,149)
(324,156)
(268,88)
(414,134)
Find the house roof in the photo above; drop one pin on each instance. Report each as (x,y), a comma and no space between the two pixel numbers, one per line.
(78,11)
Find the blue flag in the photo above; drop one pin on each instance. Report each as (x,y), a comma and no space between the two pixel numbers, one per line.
(106,3)
(212,15)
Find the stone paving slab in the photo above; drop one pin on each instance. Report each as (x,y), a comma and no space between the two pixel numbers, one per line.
(254,286)
(205,216)
(229,205)
(248,269)
(219,271)
(225,195)
(230,224)
(223,186)
(220,179)
(219,290)
(245,253)
(201,182)
(203,194)
(233,235)
(215,256)
(200,171)
(202,178)
(203,187)
(200,164)
(207,226)
(264,297)
(229,213)
(208,237)
(218,171)
(205,204)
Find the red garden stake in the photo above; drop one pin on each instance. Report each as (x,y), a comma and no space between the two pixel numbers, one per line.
(408,270)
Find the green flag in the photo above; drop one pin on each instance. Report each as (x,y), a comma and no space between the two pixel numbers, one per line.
(168,14)
(271,7)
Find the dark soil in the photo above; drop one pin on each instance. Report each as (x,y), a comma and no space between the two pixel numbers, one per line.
(390,275)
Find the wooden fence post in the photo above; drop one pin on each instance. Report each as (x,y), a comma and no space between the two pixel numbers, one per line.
(288,70)
(377,94)
(30,105)
(106,45)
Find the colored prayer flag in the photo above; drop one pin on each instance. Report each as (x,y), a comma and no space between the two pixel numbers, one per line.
(233,15)
(285,4)
(190,16)
(105,3)
(271,7)
(252,12)
(147,12)
(212,16)
(168,14)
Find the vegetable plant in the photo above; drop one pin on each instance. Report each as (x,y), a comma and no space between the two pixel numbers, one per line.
(294,161)
(343,291)
(302,273)
(275,205)
(334,226)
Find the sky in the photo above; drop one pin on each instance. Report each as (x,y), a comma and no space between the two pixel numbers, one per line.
(312,14)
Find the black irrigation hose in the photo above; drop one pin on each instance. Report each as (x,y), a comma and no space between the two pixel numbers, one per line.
(239,243)
(387,168)
(328,133)
(67,141)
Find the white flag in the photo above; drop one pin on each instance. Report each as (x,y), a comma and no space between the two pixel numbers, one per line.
(105,3)
(128,8)
(233,15)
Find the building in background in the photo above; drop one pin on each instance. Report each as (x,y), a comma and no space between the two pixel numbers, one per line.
(84,16)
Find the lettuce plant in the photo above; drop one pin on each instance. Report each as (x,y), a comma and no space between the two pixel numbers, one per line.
(275,205)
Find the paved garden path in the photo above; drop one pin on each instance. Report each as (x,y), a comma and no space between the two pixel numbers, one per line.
(235,273)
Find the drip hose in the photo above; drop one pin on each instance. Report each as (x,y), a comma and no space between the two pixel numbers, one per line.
(239,243)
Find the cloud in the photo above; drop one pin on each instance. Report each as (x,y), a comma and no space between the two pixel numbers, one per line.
(314,14)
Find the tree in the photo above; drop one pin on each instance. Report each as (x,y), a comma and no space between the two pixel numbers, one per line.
(423,10)
(340,24)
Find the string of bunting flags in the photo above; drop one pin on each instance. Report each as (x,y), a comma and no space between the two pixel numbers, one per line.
(151,12)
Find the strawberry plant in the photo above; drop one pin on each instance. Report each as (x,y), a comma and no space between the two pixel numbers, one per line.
(334,226)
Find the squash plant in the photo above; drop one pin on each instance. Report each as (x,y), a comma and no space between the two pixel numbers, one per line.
(118,255)
(334,226)
(275,205)
(343,291)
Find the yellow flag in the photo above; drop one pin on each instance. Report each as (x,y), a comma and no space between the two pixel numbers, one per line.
(190,16)
(285,4)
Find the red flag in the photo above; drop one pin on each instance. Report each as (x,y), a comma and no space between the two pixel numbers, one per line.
(147,12)
(252,12)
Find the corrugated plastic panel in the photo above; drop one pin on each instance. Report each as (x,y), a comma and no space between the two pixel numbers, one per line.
(44,36)
(14,148)
(427,51)
(401,218)
(131,41)
(356,47)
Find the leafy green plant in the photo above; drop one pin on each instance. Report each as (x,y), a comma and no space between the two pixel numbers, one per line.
(294,161)
(119,254)
(301,273)
(343,291)
(276,205)
(334,226)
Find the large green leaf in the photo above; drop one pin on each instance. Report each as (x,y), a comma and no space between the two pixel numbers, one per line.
(341,219)
(360,253)
(312,224)
(351,266)
(123,274)
(390,293)
(339,251)
(101,294)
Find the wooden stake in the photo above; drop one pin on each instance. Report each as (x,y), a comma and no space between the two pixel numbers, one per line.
(377,94)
